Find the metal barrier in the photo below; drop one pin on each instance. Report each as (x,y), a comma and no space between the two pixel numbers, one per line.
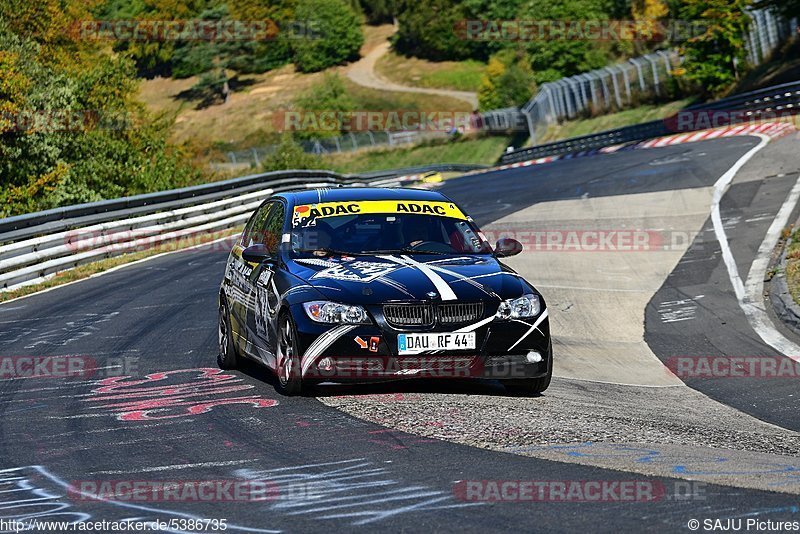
(36,245)
(755,105)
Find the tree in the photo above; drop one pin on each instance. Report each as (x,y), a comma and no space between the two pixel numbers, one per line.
(379,11)
(71,131)
(428,30)
(713,60)
(561,56)
(508,81)
(338,36)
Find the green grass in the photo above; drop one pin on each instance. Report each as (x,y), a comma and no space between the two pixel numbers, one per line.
(484,150)
(793,265)
(367,99)
(458,75)
(575,128)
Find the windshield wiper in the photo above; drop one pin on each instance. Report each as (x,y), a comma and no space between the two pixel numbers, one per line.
(332,251)
(406,250)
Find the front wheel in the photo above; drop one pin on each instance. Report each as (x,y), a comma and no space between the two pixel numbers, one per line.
(288,358)
(226,357)
(529,387)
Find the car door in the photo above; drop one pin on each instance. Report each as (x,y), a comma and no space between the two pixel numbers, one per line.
(241,271)
(262,299)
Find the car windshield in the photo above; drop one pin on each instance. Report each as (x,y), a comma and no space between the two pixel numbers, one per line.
(388,233)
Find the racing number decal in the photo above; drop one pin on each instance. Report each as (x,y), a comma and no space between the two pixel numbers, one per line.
(266,302)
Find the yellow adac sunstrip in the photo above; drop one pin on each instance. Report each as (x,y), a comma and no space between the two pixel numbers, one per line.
(307,212)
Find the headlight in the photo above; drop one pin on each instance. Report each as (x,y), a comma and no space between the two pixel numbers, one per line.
(323,311)
(524,306)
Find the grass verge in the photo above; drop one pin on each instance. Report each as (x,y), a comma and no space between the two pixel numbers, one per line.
(575,128)
(85,271)
(414,72)
(482,150)
(793,265)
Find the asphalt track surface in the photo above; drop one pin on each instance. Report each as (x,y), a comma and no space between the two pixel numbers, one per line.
(160,315)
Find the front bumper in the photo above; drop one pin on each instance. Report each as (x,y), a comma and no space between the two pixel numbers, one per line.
(505,350)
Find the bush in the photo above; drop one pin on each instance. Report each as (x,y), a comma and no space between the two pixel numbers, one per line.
(508,81)
(50,162)
(339,36)
(710,60)
(289,155)
(427,30)
(330,94)
(552,59)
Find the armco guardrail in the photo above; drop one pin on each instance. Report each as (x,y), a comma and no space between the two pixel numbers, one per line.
(36,245)
(215,189)
(762,104)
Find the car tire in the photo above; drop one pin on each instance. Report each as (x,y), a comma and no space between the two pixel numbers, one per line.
(226,357)
(529,387)
(288,370)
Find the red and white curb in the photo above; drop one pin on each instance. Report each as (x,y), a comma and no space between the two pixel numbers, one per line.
(771,129)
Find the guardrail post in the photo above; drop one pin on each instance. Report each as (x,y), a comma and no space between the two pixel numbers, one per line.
(635,61)
(613,76)
(531,127)
(772,29)
(762,34)
(654,66)
(255,158)
(606,92)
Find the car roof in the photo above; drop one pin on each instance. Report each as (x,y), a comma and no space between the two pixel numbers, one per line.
(345,194)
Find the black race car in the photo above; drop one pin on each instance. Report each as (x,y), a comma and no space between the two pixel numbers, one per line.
(365,284)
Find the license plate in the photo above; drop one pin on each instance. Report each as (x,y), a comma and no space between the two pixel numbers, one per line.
(416,343)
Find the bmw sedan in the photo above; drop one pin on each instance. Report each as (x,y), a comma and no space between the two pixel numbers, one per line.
(365,284)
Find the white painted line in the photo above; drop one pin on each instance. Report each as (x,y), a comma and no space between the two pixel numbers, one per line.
(174,467)
(749,296)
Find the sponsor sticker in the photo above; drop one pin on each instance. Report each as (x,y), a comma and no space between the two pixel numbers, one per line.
(357,271)
(305,214)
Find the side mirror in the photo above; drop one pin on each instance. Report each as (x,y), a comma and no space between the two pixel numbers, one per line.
(507,247)
(256,254)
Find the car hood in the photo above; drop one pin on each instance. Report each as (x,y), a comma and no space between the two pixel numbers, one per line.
(382,278)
